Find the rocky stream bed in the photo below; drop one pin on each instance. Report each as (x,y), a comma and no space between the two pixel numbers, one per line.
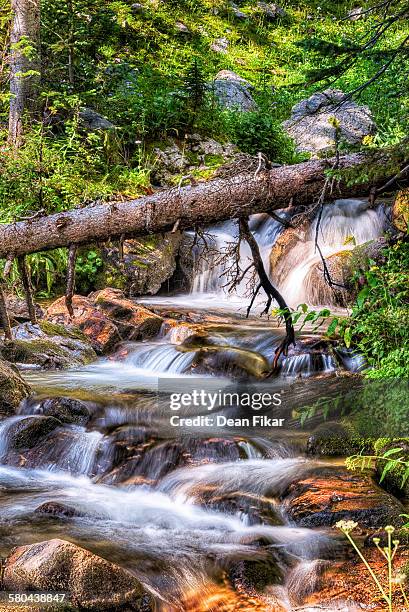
(101,499)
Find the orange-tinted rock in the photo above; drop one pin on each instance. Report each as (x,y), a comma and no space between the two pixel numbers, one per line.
(133,321)
(92,583)
(328,495)
(96,325)
(349,583)
(179,331)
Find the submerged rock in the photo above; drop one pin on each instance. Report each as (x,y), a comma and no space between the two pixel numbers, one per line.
(92,583)
(48,345)
(328,495)
(312,127)
(13,389)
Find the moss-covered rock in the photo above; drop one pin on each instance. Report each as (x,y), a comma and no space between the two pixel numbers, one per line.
(393,478)
(146,264)
(332,439)
(48,345)
(13,389)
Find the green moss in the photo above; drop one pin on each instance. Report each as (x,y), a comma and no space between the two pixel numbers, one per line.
(54,329)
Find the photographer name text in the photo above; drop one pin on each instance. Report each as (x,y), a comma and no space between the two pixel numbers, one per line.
(256,420)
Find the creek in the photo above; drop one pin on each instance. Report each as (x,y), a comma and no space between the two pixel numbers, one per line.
(193,513)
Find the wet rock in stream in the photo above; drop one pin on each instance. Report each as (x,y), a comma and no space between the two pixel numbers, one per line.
(48,346)
(13,389)
(92,583)
(236,362)
(327,495)
(53,508)
(27,432)
(149,461)
(65,409)
(106,317)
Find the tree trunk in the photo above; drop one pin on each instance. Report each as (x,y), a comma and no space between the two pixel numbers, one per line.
(188,207)
(24,65)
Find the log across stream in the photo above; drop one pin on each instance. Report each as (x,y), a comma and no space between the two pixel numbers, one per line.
(226,514)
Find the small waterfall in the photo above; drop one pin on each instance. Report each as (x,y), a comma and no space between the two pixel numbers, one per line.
(5,427)
(161,358)
(80,455)
(308,364)
(344,225)
(212,261)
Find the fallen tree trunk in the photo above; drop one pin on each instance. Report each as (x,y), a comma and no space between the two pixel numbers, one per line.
(188,207)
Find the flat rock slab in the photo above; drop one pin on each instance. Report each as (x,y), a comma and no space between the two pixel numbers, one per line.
(330,494)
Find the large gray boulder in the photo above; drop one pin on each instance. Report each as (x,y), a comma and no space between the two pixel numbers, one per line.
(312,127)
(233,92)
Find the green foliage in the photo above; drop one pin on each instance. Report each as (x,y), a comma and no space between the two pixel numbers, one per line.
(378,326)
(87,266)
(54,173)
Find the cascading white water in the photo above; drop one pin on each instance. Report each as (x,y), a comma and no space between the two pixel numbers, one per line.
(210,267)
(6,427)
(344,225)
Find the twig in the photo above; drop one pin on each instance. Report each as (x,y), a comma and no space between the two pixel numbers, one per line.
(4,315)
(72,255)
(28,288)
(271,291)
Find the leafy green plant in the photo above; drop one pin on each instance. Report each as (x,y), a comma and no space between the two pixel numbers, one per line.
(391,459)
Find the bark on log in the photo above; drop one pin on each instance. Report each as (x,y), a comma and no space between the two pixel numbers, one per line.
(204,204)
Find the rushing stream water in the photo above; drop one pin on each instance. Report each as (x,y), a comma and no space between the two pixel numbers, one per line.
(184,510)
